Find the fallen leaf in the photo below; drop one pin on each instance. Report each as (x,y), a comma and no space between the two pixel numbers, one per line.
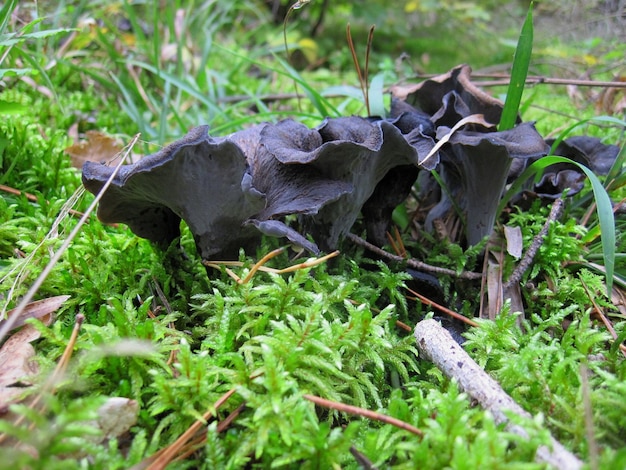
(514,241)
(38,309)
(98,148)
(15,356)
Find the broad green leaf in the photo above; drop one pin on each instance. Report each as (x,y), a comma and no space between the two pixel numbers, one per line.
(376,96)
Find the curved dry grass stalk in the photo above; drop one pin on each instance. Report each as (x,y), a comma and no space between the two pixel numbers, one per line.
(8,325)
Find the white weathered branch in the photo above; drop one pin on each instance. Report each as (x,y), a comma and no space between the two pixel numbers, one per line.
(436,344)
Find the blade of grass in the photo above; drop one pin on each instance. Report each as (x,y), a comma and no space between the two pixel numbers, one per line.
(319,102)
(521,62)
(604,207)
(568,130)
(7,326)
(5,14)
(178,83)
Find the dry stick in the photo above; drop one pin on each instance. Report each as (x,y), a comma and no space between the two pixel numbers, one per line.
(355,410)
(504,81)
(413,263)
(221,427)
(362,460)
(355,60)
(443,309)
(170,452)
(57,255)
(436,344)
(529,256)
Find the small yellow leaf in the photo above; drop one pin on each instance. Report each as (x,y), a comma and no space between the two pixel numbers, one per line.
(309,49)
(410,7)
(590,59)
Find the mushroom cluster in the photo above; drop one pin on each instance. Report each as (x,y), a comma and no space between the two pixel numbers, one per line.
(231,190)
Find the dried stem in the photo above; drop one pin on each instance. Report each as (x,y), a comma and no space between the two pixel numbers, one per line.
(31,197)
(443,309)
(413,263)
(355,410)
(168,454)
(500,82)
(57,255)
(603,318)
(504,79)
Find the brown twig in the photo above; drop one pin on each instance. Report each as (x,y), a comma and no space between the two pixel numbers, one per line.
(168,454)
(413,263)
(355,60)
(403,326)
(362,460)
(221,427)
(529,256)
(31,197)
(504,79)
(445,310)
(355,410)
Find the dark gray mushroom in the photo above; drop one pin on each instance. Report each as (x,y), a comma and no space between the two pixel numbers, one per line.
(230,190)
(198,179)
(477,166)
(476,160)
(589,151)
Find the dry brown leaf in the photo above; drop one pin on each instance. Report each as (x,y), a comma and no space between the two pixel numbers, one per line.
(611,100)
(15,356)
(41,309)
(97,148)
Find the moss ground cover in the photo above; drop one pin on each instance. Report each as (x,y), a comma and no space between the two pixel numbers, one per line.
(158,331)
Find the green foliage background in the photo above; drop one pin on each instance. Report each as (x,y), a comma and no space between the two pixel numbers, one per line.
(160,68)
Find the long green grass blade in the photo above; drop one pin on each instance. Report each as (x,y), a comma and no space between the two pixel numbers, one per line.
(568,130)
(319,102)
(604,207)
(5,14)
(519,72)
(376,96)
(181,85)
